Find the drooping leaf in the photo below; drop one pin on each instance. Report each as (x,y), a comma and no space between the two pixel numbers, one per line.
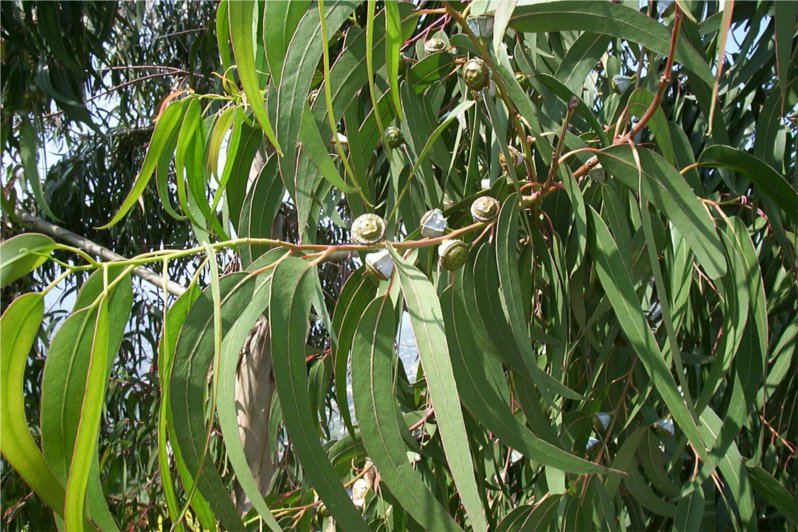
(428,326)
(619,288)
(292,291)
(22,254)
(167,124)
(378,416)
(764,177)
(18,327)
(241,13)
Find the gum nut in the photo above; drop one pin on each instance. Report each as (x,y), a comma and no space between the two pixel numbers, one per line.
(603,419)
(368,229)
(598,174)
(485,184)
(453,254)
(592,442)
(393,136)
(665,425)
(481,25)
(433,223)
(621,84)
(434,45)
(475,74)
(380,264)
(485,209)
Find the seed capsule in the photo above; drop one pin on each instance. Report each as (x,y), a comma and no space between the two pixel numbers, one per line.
(380,265)
(453,254)
(621,84)
(433,223)
(393,137)
(475,74)
(434,45)
(485,209)
(368,229)
(481,25)
(522,80)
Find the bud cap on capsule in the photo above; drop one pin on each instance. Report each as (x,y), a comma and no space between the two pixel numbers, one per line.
(485,209)
(453,254)
(433,223)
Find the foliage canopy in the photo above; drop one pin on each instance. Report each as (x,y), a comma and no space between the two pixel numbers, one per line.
(611,344)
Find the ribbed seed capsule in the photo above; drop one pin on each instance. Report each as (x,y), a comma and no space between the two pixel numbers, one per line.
(393,137)
(433,223)
(475,74)
(368,229)
(485,209)
(453,254)
(434,45)
(380,265)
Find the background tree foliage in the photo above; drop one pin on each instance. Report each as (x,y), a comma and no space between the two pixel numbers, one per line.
(618,350)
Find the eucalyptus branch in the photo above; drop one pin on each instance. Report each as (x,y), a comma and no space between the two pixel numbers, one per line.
(93,248)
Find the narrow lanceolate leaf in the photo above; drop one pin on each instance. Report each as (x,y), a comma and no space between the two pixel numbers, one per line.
(22,254)
(784,19)
(65,377)
(188,387)
(619,287)
(173,321)
(27,152)
(18,327)
(773,493)
(356,294)
(690,511)
(168,122)
(378,416)
(226,408)
(280,20)
(669,192)
(475,373)
(314,146)
(241,14)
(393,45)
(764,177)
(292,291)
(426,318)
(89,425)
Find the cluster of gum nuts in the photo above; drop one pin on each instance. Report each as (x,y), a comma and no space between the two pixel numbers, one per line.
(369,229)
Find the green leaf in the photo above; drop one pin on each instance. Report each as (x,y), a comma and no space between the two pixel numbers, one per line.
(766,180)
(175,317)
(241,14)
(280,20)
(18,327)
(301,58)
(22,254)
(234,339)
(355,295)
(223,34)
(638,104)
(532,517)
(669,192)
(27,153)
(378,416)
(690,511)
(427,320)
(581,59)
(289,306)
(784,19)
(66,372)
(479,380)
(313,145)
(188,387)
(89,425)
(773,493)
(618,285)
(393,44)
(167,124)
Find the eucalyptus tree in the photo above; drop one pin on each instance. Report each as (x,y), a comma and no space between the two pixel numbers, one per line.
(584,211)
